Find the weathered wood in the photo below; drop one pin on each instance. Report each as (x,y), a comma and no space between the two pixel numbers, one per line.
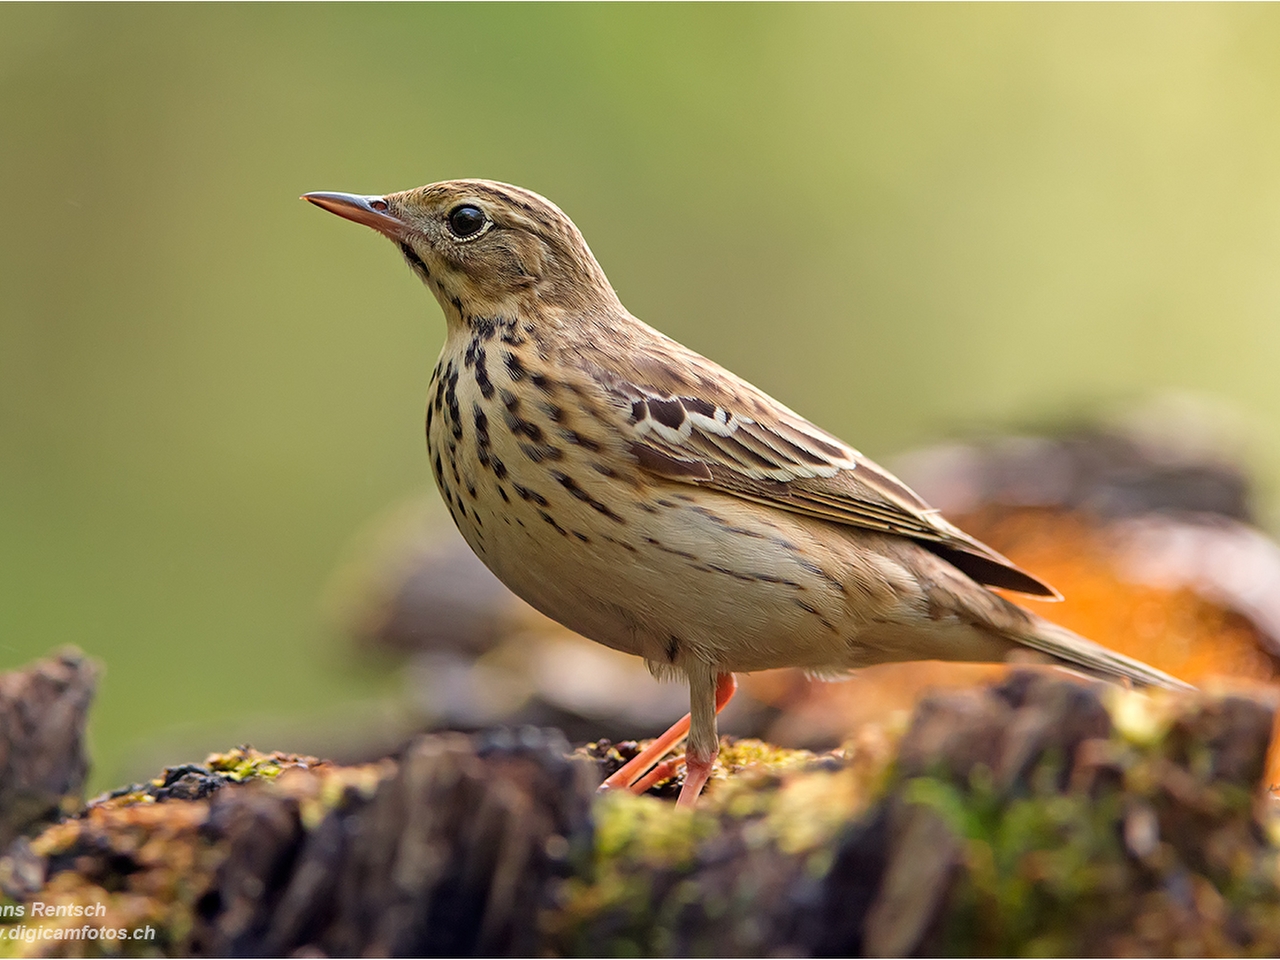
(43,765)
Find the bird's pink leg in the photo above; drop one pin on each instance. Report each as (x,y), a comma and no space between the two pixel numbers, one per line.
(629,776)
(659,772)
(697,769)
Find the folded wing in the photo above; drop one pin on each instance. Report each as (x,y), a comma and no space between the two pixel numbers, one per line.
(718,431)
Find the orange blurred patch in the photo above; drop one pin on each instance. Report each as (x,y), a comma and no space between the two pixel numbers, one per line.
(1176,630)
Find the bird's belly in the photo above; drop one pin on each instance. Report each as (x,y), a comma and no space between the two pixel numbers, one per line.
(688,581)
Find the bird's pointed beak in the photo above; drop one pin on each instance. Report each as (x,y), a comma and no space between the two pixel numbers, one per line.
(372,211)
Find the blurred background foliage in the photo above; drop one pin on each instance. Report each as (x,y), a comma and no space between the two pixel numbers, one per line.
(901,220)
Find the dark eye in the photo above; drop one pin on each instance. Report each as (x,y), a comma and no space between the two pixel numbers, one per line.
(466,221)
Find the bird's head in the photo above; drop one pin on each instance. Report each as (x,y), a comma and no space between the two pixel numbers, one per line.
(485,249)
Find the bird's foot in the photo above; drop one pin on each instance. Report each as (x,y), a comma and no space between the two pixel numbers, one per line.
(636,771)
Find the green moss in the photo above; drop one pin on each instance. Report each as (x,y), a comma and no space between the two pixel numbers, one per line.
(1151,855)
(245,763)
(648,890)
(643,831)
(1031,866)
(635,838)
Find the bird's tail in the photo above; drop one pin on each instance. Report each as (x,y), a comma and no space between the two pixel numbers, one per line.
(1074,650)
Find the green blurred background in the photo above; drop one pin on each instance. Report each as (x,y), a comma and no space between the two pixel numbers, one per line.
(901,220)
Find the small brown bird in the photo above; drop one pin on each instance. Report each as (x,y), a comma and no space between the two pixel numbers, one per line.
(649,499)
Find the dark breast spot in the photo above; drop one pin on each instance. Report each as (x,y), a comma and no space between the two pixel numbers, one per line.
(514,367)
(551,520)
(596,505)
(728,572)
(538,452)
(482,376)
(630,548)
(451,400)
(524,493)
(671,550)
(578,440)
(578,493)
(569,484)
(482,430)
(770,578)
(810,608)
(524,428)
(805,564)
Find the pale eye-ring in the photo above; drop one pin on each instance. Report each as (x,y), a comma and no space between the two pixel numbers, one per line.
(466,221)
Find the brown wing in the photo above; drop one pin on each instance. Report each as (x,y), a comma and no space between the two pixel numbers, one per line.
(713,429)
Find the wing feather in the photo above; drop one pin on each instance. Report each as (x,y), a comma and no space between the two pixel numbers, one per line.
(718,431)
